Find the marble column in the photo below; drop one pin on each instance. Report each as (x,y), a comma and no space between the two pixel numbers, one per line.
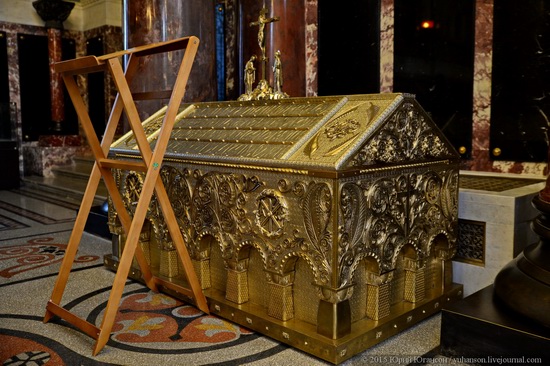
(311,47)
(151,21)
(288,36)
(56,82)
(54,13)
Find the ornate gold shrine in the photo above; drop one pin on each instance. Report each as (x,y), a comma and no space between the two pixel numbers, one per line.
(326,223)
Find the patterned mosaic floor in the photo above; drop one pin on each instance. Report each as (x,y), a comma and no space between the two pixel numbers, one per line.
(150,328)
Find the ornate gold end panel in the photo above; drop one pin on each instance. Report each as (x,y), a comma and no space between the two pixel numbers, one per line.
(383,217)
(408,134)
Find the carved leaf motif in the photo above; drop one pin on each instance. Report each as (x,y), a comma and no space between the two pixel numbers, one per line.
(316,207)
(354,210)
(386,227)
(317,212)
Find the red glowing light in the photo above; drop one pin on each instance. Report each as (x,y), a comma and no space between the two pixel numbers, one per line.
(427,24)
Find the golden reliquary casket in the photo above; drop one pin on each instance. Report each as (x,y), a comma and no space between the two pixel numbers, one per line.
(326,223)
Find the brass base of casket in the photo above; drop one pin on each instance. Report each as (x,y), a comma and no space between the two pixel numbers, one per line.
(304,336)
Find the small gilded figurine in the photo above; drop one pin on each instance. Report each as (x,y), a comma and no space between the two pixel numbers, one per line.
(278,77)
(249,78)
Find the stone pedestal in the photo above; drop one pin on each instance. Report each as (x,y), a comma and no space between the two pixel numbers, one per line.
(495,215)
(479,326)
(49,152)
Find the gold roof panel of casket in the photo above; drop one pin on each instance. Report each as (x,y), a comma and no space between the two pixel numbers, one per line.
(319,132)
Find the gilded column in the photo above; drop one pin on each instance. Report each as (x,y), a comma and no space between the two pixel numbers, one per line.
(281,301)
(237,281)
(334,314)
(446,255)
(378,295)
(414,280)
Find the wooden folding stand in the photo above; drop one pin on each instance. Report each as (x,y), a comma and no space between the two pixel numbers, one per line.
(150,164)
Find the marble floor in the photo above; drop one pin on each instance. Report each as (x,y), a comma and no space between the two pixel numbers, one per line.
(26,215)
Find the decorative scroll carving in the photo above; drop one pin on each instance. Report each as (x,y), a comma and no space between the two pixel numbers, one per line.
(405,137)
(315,245)
(316,206)
(341,131)
(218,207)
(132,189)
(380,216)
(351,246)
(177,188)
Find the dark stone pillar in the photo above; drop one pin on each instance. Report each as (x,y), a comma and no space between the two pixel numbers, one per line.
(54,13)
(56,87)
(151,21)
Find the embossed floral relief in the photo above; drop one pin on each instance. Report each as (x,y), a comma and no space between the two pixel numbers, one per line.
(406,137)
(312,240)
(177,188)
(381,215)
(218,207)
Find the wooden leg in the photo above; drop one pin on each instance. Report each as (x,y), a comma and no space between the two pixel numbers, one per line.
(74,240)
(152,160)
(126,222)
(177,238)
(116,294)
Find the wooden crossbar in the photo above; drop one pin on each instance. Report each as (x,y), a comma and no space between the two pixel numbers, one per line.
(152,184)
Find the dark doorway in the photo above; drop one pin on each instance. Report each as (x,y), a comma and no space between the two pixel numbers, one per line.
(349,47)
(434,59)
